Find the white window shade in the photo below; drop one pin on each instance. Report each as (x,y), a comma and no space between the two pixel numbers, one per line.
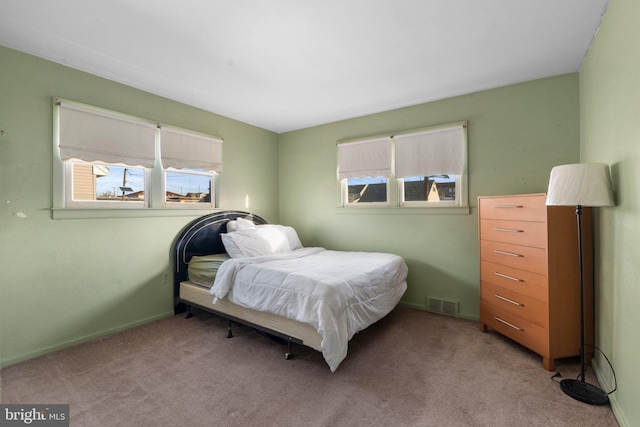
(365,159)
(434,152)
(182,149)
(95,135)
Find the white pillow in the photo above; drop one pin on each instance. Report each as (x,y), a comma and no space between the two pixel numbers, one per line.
(258,241)
(239,224)
(244,224)
(230,245)
(292,236)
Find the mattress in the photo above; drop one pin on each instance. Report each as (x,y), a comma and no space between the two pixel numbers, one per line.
(202,270)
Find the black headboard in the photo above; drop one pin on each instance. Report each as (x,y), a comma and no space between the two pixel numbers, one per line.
(202,237)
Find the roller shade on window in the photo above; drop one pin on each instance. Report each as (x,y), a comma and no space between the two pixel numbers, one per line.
(182,149)
(365,159)
(95,135)
(434,152)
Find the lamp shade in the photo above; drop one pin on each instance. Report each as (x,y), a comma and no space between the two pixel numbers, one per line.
(580,184)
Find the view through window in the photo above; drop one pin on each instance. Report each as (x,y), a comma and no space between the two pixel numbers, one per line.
(103,182)
(367,190)
(435,188)
(188,186)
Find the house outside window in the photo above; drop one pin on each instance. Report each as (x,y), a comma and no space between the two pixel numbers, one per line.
(367,190)
(97,182)
(435,188)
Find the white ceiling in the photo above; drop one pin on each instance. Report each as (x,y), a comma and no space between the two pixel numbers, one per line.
(289,64)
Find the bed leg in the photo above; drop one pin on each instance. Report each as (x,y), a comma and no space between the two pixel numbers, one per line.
(189,313)
(229,333)
(289,354)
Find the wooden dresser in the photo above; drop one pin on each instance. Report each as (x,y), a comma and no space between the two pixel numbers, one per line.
(530,276)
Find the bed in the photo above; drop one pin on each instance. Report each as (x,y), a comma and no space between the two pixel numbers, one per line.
(235,265)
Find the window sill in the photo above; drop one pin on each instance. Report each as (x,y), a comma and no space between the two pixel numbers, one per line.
(83,213)
(389,210)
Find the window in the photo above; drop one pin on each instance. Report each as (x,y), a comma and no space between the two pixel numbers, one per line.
(364,169)
(92,184)
(188,186)
(367,190)
(421,190)
(104,159)
(190,162)
(428,165)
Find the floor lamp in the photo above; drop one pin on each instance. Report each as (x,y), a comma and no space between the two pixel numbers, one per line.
(581,185)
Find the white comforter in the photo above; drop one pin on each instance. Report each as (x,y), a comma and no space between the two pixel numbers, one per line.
(337,293)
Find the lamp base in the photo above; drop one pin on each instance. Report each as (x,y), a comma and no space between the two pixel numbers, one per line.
(584,392)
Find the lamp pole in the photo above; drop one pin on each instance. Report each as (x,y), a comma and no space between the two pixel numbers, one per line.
(579,389)
(581,263)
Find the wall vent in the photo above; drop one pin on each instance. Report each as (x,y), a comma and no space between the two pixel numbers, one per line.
(442,306)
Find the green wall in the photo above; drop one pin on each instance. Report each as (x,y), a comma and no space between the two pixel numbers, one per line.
(65,281)
(610,108)
(516,134)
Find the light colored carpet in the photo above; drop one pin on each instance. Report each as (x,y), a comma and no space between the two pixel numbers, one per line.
(412,368)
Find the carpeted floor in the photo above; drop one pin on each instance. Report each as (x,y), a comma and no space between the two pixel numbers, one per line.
(412,368)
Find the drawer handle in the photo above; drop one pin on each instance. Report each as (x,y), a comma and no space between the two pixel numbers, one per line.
(508,324)
(515,279)
(507,253)
(508,206)
(509,300)
(508,230)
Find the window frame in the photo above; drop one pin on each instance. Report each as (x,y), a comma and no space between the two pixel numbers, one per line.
(358,205)
(395,185)
(102,204)
(64,207)
(425,203)
(200,205)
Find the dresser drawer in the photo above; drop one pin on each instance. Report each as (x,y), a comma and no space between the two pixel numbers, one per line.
(522,257)
(521,208)
(521,305)
(516,232)
(520,281)
(526,333)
